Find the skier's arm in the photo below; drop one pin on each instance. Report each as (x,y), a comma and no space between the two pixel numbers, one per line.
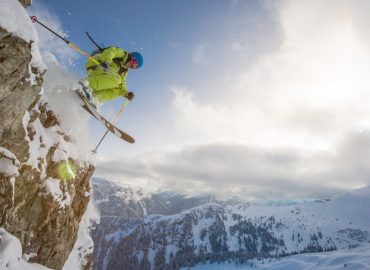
(104,58)
(123,87)
(121,57)
(116,55)
(124,91)
(107,55)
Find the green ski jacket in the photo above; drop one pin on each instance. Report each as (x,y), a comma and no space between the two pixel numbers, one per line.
(110,84)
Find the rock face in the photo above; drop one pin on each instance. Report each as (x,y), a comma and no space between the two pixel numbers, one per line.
(38,204)
(25,3)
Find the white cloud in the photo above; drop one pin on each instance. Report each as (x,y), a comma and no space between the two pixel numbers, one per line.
(237,46)
(309,92)
(199,55)
(235,169)
(287,126)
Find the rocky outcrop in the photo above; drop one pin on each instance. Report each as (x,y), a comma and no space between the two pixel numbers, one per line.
(43,202)
(9,166)
(17,94)
(25,3)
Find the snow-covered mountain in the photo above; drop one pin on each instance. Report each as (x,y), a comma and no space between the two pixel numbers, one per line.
(356,258)
(118,200)
(222,231)
(123,207)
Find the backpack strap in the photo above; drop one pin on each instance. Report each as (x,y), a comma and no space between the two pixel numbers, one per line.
(118,61)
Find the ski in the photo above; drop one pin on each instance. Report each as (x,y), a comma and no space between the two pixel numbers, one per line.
(90,109)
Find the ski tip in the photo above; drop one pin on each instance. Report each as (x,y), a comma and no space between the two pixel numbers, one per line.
(128,139)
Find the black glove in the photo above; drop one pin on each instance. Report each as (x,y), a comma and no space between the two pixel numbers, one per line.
(104,66)
(130,96)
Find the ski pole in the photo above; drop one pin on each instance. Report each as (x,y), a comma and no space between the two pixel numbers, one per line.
(93,41)
(105,134)
(34,19)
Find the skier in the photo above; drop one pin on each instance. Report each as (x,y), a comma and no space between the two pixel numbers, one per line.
(108,81)
(106,72)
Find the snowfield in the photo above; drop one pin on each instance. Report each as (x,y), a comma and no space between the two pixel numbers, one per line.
(11,254)
(352,259)
(226,235)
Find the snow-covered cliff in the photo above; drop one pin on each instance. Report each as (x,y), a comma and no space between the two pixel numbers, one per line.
(44,170)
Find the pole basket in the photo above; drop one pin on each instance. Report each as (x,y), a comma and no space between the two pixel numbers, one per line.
(33,19)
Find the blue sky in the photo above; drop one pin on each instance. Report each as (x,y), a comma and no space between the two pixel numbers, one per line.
(259,94)
(183,43)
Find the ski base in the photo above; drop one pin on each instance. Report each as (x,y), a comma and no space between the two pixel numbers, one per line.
(90,108)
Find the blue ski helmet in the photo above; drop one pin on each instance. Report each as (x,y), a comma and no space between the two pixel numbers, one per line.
(139,58)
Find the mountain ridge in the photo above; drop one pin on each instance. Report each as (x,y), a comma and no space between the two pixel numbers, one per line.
(217,231)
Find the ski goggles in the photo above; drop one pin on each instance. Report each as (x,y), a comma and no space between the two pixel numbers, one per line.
(133,62)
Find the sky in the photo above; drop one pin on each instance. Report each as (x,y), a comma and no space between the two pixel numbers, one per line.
(257,99)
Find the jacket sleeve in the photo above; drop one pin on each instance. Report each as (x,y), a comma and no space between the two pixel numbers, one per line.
(123,86)
(108,55)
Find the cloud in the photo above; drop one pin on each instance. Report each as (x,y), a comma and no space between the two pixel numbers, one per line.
(251,172)
(287,126)
(199,55)
(308,93)
(237,46)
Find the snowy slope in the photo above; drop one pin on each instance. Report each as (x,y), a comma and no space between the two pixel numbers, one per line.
(121,200)
(122,207)
(12,15)
(357,258)
(218,232)
(11,254)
